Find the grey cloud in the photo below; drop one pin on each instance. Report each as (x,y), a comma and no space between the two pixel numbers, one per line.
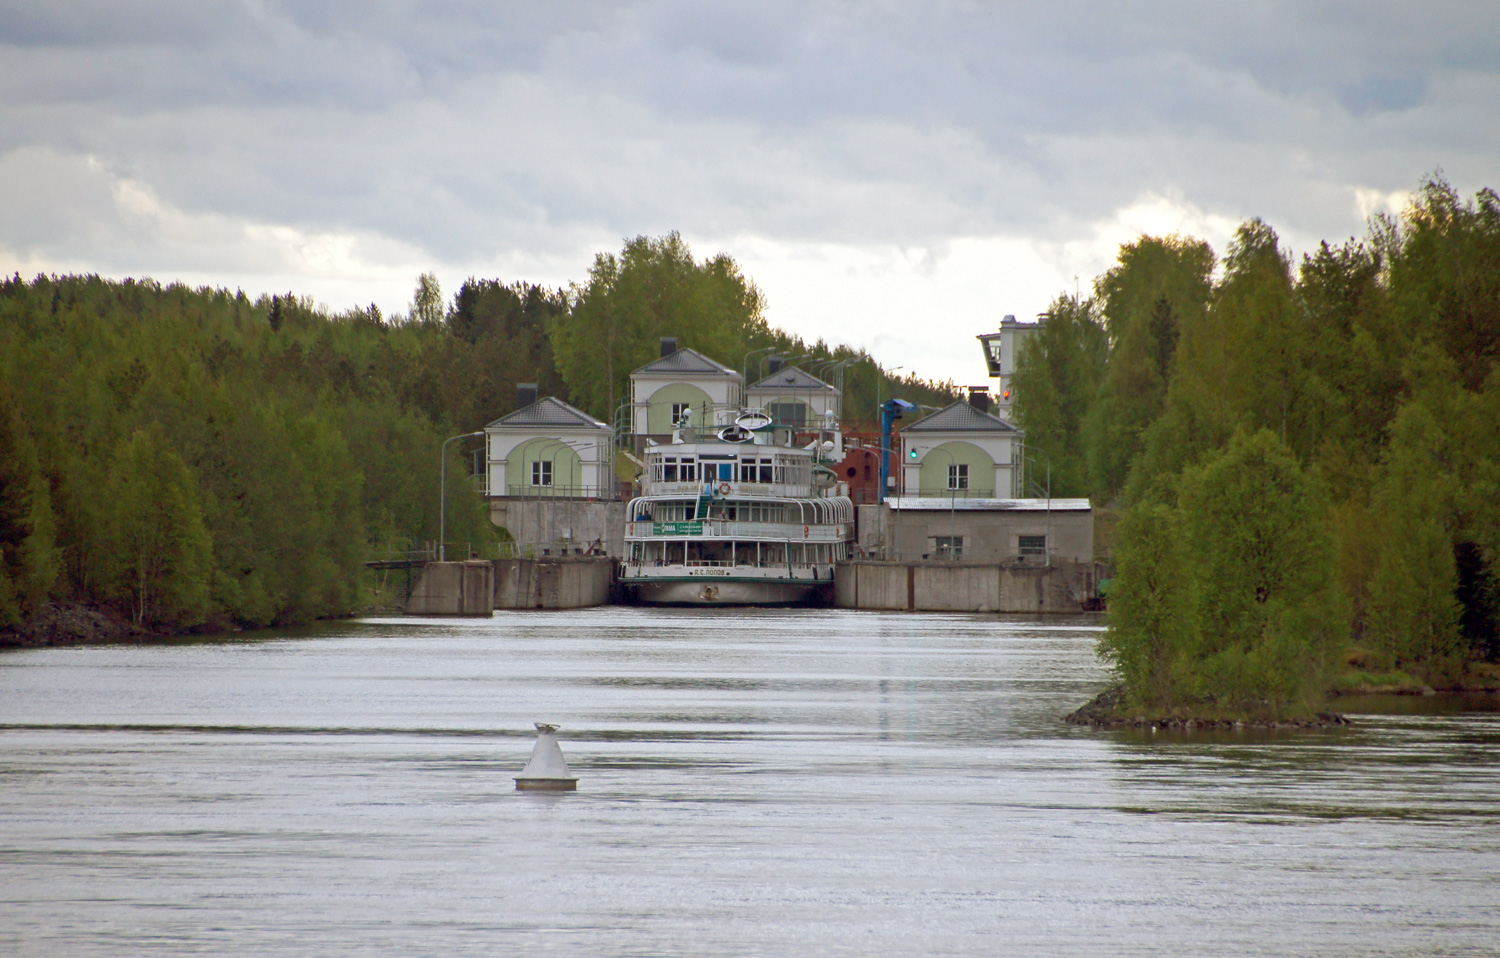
(469,129)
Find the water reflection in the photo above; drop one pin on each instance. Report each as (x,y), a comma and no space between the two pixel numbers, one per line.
(777,782)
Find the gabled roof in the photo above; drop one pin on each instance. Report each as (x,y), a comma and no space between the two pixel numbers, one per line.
(792,378)
(960,417)
(685,361)
(550,412)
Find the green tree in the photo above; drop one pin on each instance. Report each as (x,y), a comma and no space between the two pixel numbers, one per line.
(1058,375)
(162,556)
(1445,275)
(1262,561)
(1151,615)
(1245,363)
(1229,601)
(1160,288)
(427,301)
(654,288)
(28,554)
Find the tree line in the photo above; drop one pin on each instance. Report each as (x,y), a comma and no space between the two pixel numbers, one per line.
(1305,456)
(193,458)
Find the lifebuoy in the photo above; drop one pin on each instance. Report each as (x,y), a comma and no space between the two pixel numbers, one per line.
(723,488)
(804,532)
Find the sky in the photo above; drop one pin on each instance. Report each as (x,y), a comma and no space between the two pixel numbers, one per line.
(896,176)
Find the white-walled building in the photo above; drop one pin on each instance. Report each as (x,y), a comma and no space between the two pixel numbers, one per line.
(1001,351)
(549,448)
(663,390)
(961,452)
(550,480)
(796,399)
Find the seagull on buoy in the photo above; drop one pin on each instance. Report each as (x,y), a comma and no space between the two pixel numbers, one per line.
(548,770)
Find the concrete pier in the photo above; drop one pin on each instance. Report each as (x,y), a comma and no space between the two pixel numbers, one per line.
(964,587)
(553,582)
(454,588)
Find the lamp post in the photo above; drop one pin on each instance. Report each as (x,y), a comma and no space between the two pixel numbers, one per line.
(443,494)
(745,363)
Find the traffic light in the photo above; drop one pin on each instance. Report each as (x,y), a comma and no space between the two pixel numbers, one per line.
(913,454)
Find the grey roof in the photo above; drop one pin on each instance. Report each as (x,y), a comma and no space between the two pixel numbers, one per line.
(547,411)
(960,417)
(792,378)
(686,361)
(937,502)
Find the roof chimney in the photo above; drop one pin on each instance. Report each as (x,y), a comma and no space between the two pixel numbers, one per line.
(668,346)
(774,364)
(979,398)
(525,394)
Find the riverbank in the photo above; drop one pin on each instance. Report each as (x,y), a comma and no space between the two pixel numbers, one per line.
(1103,711)
(74,623)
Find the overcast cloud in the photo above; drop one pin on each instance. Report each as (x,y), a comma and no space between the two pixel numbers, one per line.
(893,175)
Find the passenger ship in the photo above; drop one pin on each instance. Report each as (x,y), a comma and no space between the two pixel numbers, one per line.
(735,520)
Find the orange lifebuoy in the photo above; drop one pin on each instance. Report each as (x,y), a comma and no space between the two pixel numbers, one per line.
(804,532)
(723,488)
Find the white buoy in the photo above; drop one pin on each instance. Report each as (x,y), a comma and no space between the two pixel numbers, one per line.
(547,771)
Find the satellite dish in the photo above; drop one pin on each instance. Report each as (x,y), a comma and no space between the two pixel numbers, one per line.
(735,433)
(753,421)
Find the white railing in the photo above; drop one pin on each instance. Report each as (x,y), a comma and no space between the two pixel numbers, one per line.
(725,529)
(522,490)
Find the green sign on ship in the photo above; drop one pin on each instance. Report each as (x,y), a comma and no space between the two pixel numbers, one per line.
(694,528)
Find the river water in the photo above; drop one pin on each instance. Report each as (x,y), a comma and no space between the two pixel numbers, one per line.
(751,783)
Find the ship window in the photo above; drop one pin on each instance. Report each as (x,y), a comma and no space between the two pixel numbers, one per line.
(541,472)
(766,474)
(689,469)
(669,469)
(1033,545)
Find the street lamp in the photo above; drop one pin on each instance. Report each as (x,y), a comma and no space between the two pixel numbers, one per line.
(443,494)
(745,363)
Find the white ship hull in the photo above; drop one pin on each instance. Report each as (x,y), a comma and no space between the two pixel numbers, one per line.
(697,590)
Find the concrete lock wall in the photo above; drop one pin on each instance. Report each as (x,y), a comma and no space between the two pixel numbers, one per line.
(562,526)
(454,588)
(963,587)
(555,582)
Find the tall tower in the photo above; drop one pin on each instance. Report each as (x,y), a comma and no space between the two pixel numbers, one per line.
(1000,353)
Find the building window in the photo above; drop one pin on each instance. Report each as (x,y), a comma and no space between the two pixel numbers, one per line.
(1033,545)
(958,475)
(678,408)
(788,413)
(948,547)
(541,472)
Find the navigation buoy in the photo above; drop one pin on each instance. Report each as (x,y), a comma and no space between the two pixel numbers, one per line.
(547,771)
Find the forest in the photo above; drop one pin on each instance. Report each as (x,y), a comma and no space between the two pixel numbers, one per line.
(1303,457)
(193,460)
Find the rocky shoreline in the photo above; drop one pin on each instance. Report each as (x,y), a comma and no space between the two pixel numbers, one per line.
(1103,712)
(72,623)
